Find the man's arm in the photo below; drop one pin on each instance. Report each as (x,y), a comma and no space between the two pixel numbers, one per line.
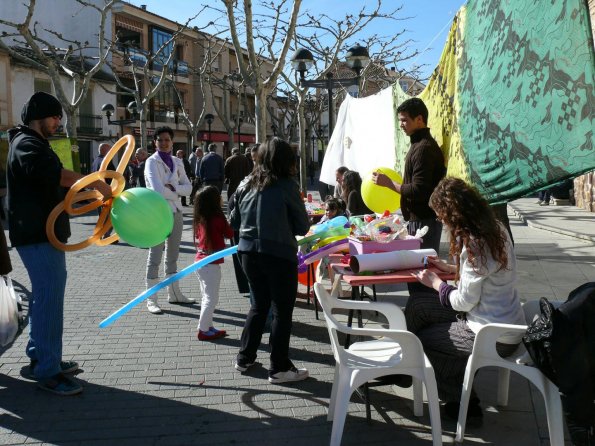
(69,177)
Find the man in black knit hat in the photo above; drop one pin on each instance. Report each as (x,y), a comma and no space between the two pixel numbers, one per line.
(37,182)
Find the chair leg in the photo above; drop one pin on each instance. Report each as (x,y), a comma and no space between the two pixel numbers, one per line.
(418,397)
(464,404)
(433,406)
(553,408)
(331,405)
(503,384)
(340,413)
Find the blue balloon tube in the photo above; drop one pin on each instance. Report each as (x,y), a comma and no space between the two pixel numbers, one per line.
(148,293)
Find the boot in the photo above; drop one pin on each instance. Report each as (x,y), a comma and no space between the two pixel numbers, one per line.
(175,296)
(152,301)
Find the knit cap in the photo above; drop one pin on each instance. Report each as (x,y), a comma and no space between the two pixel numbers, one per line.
(40,105)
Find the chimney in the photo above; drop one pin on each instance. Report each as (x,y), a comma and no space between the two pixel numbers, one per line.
(143,7)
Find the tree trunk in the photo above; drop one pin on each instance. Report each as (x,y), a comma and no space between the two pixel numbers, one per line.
(71,134)
(260,109)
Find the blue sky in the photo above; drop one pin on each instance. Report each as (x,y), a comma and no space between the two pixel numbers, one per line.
(428,25)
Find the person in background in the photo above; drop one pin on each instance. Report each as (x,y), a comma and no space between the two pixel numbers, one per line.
(165,174)
(351,194)
(248,155)
(339,178)
(236,169)
(447,320)
(254,154)
(210,229)
(212,168)
(195,166)
(269,213)
(181,155)
(138,173)
(36,182)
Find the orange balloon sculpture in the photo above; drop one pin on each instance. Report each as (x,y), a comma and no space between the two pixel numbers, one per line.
(75,195)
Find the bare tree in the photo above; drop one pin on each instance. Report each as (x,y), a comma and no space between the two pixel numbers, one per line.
(326,37)
(143,73)
(27,44)
(263,83)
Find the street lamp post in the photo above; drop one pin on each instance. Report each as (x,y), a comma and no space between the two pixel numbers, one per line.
(209,118)
(109,110)
(240,122)
(357,58)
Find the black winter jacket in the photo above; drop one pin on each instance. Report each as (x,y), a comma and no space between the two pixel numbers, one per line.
(33,180)
(269,220)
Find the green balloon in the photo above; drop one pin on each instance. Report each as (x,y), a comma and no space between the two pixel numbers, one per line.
(142,217)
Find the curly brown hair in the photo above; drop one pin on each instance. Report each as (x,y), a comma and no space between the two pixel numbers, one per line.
(471,222)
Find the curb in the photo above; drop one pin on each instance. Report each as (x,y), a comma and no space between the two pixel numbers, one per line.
(548,228)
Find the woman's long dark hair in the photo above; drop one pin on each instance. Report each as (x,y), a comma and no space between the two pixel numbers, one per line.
(351,182)
(469,217)
(207,204)
(276,160)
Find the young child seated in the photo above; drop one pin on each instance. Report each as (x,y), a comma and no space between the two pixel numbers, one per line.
(334,207)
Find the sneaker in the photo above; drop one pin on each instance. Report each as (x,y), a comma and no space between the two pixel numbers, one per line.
(153,307)
(60,384)
(243,366)
(66,367)
(539,202)
(290,375)
(545,203)
(210,335)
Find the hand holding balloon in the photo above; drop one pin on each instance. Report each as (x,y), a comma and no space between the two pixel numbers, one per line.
(381,190)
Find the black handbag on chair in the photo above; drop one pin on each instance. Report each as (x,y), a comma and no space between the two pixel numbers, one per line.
(538,339)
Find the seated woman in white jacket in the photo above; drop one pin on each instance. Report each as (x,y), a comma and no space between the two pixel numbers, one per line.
(447,319)
(165,174)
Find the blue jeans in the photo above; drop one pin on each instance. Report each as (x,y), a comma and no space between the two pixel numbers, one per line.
(46,267)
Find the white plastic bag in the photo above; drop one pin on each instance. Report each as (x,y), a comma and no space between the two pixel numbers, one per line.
(9,315)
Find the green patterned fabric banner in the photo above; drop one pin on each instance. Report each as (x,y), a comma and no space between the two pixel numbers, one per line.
(512,100)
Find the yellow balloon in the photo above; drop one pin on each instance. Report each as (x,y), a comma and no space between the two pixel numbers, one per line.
(380,198)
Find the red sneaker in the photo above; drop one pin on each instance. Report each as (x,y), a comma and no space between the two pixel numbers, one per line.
(210,335)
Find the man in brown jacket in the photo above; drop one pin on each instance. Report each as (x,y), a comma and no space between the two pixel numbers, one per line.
(424,168)
(237,167)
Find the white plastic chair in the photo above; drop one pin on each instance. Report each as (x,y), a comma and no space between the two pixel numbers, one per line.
(399,352)
(484,354)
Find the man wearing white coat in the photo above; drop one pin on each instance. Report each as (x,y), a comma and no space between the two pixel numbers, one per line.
(165,174)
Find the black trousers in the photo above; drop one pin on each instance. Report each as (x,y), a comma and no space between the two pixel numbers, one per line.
(274,284)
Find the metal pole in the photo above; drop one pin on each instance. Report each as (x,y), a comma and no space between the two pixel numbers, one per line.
(331,116)
(209,141)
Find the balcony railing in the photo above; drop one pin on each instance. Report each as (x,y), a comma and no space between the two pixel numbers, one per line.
(90,124)
(164,116)
(181,68)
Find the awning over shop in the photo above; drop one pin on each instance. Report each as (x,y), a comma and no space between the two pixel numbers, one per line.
(224,137)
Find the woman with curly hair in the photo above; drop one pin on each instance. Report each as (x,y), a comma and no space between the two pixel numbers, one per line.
(447,318)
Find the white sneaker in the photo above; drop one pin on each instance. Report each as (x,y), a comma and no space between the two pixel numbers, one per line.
(290,375)
(538,202)
(153,307)
(545,203)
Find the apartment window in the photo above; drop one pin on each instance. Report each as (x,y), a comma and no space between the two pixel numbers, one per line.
(158,38)
(44,85)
